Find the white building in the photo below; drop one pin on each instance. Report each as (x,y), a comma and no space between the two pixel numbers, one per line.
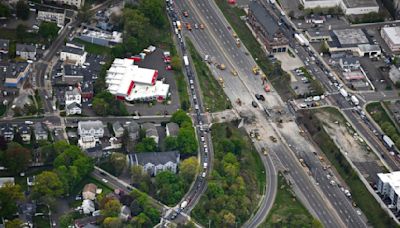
(391,35)
(155,162)
(73,55)
(309,4)
(73,102)
(131,82)
(389,187)
(91,128)
(26,51)
(51,14)
(349,7)
(77,3)
(87,206)
(87,142)
(102,38)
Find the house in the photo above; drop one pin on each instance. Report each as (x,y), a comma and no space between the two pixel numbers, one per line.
(391,37)
(40,132)
(4,180)
(73,109)
(151,131)
(73,101)
(118,129)
(172,129)
(26,51)
(88,221)
(72,74)
(51,14)
(155,162)
(14,73)
(349,63)
(91,128)
(266,28)
(76,3)
(133,130)
(25,132)
(87,142)
(73,55)
(7,131)
(87,206)
(125,213)
(4,46)
(89,191)
(115,143)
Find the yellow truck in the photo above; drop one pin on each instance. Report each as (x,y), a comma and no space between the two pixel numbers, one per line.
(256,70)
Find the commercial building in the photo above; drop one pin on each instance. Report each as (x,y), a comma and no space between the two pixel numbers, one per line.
(353,40)
(77,3)
(309,4)
(266,28)
(349,7)
(102,38)
(388,187)
(391,35)
(73,55)
(318,36)
(72,74)
(155,162)
(51,14)
(14,73)
(131,82)
(26,51)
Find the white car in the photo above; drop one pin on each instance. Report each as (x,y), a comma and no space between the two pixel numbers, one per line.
(104,180)
(202,138)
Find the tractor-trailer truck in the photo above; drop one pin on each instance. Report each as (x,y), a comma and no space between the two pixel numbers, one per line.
(343,92)
(354,100)
(186,60)
(388,141)
(302,39)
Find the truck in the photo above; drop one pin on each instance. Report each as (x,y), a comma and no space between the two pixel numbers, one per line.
(184,204)
(301,39)
(179,25)
(343,92)
(188,26)
(221,66)
(388,141)
(186,60)
(205,165)
(354,100)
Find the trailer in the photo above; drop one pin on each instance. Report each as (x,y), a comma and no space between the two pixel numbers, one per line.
(301,39)
(388,141)
(178,25)
(186,60)
(344,92)
(354,100)
(184,204)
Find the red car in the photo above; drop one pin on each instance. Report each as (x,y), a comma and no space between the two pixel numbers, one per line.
(168,67)
(167,59)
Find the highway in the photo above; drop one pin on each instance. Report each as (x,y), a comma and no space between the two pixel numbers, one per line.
(217,41)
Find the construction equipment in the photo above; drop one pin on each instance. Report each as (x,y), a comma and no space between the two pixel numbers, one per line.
(221,66)
(238,42)
(256,70)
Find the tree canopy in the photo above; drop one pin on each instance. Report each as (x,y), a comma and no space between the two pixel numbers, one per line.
(10,194)
(16,158)
(48,30)
(22,10)
(146,145)
(47,185)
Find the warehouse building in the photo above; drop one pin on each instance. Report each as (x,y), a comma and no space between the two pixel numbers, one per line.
(309,4)
(102,38)
(349,7)
(391,35)
(133,83)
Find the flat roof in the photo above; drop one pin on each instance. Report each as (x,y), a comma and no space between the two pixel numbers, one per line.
(351,36)
(316,33)
(72,50)
(359,3)
(124,69)
(393,33)
(12,70)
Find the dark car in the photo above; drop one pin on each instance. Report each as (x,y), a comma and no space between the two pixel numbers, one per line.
(262,97)
(258,96)
(254,104)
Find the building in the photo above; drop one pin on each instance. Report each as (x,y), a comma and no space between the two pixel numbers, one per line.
(51,14)
(125,213)
(73,55)
(72,74)
(14,73)
(4,46)
(89,191)
(394,74)
(133,130)
(349,63)
(133,83)
(318,35)
(73,109)
(40,132)
(349,7)
(310,4)
(87,142)
(73,102)
(4,180)
(172,129)
(266,28)
(155,162)
(77,3)
(91,128)
(118,129)
(391,36)
(25,133)
(102,38)
(151,131)
(388,187)
(352,40)
(7,131)
(88,206)
(26,51)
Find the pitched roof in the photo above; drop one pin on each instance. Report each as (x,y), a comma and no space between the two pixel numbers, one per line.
(150,128)
(73,50)
(39,128)
(73,105)
(132,127)
(173,128)
(25,48)
(117,126)
(155,158)
(90,188)
(87,125)
(265,19)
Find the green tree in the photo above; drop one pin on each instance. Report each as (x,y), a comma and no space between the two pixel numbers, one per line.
(9,195)
(4,10)
(112,222)
(171,143)
(22,10)
(146,145)
(324,48)
(141,221)
(180,117)
(111,208)
(100,106)
(118,161)
(15,223)
(47,184)
(136,174)
(176,63)
(48,30)
(16,158)
(170,187)
(154,10)
(188,169)
(187,140)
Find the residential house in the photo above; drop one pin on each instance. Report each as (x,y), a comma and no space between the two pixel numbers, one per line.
(172,129)
(151,131)
(87,142)
(7,131)
(89,191)
(125,213)
(26,51)
(73,55)
(91,128)
(25,133)
(349,63)
(115,143)
(118,129)
(73,101)
(51,14)
(88,206)
(4,180)
(155,162)
(133,130)
(40,132)
(4,46)
(73,109)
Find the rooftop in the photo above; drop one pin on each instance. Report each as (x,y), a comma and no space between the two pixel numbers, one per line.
(351,37)
(155,158)
(12,70)
(4,44)
(4,180)
(25,48)
(87,125)
(266,20)
(393,33)
(73,50)
(359,3)
(48,8)
(110,36)
(173,128)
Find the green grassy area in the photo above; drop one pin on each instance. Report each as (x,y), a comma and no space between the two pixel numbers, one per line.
(360,194)
(78,188)
(287,210)
(214,97)
(236,183)
(11,34)
(279,79)
(316,86)
(94,48)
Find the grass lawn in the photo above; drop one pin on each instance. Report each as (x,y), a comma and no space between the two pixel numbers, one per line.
(287,210)
(182,90)
(78,188)
(275,75)
(94,48)
(365,201)
(214,97)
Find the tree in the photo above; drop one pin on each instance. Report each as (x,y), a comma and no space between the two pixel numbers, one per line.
(176,63)
(180,117)
(141,220)
(112,222)
(47,184)
(9,195)
(153,9)
(3,143)
(4,10)
(16,158)
(100,106)
(136,174)
(22,10)
(48,30)
(188,169)
(146,145)
(15,223)
(170,187)
(171,143)
(118,161)
(187,140)
(111,208)
(229,219)
(324,48)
